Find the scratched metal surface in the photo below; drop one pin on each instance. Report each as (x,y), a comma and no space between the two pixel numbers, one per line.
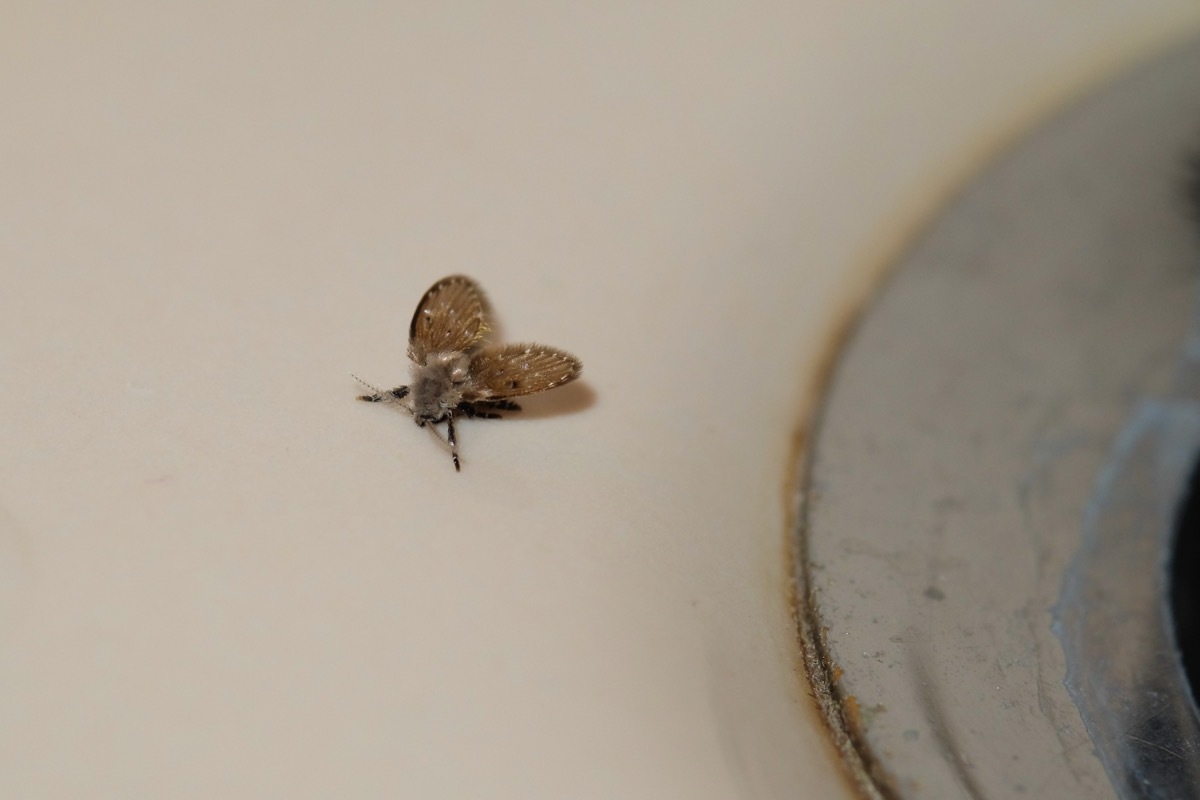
(966,438)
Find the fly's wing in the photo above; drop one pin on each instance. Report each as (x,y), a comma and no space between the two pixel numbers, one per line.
(517,369)
(451,317)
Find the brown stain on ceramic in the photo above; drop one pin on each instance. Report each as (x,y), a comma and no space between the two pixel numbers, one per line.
(841,715)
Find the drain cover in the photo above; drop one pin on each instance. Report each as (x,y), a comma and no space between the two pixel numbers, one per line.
(992,488)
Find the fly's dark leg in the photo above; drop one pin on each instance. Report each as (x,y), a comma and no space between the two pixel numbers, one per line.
(453,443)
(498,405)
(473,411)
(483,408)
(371,398)
(400,392)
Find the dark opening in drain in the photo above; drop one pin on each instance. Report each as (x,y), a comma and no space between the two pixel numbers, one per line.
(1185,589)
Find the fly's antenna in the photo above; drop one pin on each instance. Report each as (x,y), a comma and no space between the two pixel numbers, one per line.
(375,389)
(394,396)
(376,396)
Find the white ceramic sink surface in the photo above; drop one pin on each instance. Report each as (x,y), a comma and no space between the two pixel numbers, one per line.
(222,577)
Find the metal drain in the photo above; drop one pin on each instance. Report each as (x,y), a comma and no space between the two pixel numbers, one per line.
(1009,432)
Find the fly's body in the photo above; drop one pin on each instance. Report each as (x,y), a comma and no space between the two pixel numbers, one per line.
(454,373)
(437,387)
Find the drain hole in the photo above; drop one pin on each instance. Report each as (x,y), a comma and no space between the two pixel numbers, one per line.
(1185,590)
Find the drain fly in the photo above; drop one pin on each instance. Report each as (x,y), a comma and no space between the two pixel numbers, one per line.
(456,373)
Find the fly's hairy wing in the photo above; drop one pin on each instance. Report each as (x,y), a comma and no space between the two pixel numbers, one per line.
(517,369)
(451,317)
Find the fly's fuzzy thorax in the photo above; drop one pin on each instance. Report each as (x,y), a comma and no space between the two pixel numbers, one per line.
(437,386)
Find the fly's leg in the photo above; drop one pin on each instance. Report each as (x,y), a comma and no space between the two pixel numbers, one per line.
(498,405)
(472,411)
(378,395)
(399,393)
(449,441)
(453,443)
(485,409)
